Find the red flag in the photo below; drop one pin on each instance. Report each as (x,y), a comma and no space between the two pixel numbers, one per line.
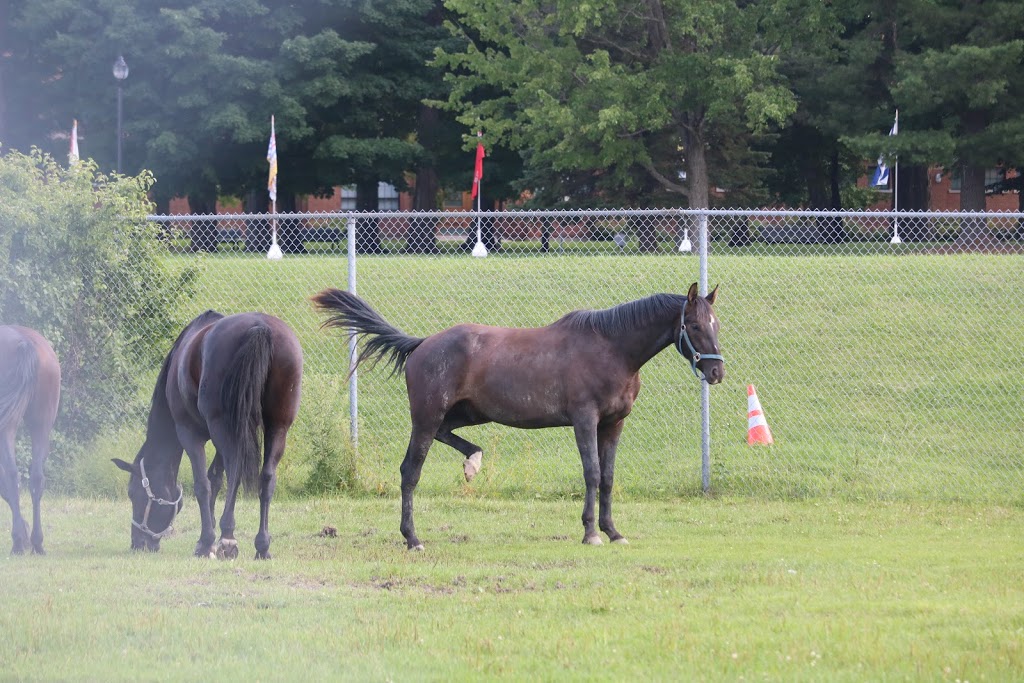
(478,170)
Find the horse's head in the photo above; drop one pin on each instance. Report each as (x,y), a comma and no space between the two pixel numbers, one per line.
(155,503)
(697,340)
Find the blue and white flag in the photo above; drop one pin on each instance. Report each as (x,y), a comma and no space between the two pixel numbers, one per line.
(881,177)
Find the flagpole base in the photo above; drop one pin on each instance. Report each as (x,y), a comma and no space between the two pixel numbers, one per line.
(895,240)
(274,253)
(480,251)
(685,246)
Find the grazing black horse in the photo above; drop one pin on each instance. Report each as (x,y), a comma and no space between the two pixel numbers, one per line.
(29,392)
(581,371)
(224,379)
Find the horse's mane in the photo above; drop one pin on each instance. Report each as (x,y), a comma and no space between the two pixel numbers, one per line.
(160,420)
(624,317)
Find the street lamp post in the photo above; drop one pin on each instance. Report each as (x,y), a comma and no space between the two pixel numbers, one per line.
(120,73)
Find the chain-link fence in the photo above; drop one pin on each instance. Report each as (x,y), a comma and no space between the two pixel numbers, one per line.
(886,349)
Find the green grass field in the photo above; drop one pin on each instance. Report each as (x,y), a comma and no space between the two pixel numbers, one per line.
(885,377)
(878,539)
(708,589)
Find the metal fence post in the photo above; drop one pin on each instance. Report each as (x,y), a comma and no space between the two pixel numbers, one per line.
(705,389)
(353,392)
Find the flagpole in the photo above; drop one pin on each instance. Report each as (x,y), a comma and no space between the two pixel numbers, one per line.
(479,251)
(274,253)
(895,191)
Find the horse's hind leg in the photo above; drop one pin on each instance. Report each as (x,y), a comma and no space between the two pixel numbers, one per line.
(216,476)
(9,492)
(474,455)
(607,442)
(274,442)
(37,481)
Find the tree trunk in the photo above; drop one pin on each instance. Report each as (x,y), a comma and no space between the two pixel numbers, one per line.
(422,235)
(203,232)
(696,176)
(257,231)
(913,196)
(289,230)
(368,228)
(975,233)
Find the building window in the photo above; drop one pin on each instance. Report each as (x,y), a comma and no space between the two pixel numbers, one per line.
(992,175)
(387,197)
(453,199)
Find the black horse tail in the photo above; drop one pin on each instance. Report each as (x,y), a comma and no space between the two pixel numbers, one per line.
(17,385)
(380,338)
(241,397)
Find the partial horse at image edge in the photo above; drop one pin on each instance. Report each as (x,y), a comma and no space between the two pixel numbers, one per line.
(533,378)
(29,394)
(225,379)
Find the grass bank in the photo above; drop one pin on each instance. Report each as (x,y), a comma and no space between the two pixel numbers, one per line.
(884,376)
(724,589)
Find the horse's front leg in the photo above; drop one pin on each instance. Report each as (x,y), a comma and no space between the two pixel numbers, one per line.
(607,442)
(195,446)
(412,467)
(586,441)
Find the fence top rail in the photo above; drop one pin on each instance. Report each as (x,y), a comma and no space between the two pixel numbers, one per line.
(593,213)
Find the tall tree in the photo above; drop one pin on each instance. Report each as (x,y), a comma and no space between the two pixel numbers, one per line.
(617,87)
(961,70)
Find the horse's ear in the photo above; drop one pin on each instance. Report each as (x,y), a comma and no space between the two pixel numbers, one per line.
(712,296)
(122,465)
(692,294)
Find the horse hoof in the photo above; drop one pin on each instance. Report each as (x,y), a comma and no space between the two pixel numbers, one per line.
(263,555)
(38,550)
(226,549)
(592,540)
(472,465)
(621,540)
(418,547)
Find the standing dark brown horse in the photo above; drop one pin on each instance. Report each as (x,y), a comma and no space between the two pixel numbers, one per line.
(581,371)
(29,392)
(224,379)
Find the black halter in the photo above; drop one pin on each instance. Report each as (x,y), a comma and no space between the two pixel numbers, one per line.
(695,356)
(143,526)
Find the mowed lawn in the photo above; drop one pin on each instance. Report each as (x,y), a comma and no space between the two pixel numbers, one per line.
(708,589)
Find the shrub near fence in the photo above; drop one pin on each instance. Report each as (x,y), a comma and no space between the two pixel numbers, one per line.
(886,370)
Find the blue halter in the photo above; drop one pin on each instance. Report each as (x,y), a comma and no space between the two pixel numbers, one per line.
(695,357)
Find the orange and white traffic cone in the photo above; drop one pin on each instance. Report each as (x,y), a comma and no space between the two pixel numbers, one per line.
(757,425)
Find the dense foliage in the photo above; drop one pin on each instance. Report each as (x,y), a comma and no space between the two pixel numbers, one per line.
(81,264)
(650,103)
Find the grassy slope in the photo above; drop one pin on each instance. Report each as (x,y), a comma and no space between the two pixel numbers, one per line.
(707,590)
(881,376)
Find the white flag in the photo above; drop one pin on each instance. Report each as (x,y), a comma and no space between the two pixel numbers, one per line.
(73,151)
(881,177)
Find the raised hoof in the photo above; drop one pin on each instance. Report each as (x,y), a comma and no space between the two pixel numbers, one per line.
(226,549)
(472,465)
(592,540)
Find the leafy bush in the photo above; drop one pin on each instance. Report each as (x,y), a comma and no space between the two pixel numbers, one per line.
(81,264)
